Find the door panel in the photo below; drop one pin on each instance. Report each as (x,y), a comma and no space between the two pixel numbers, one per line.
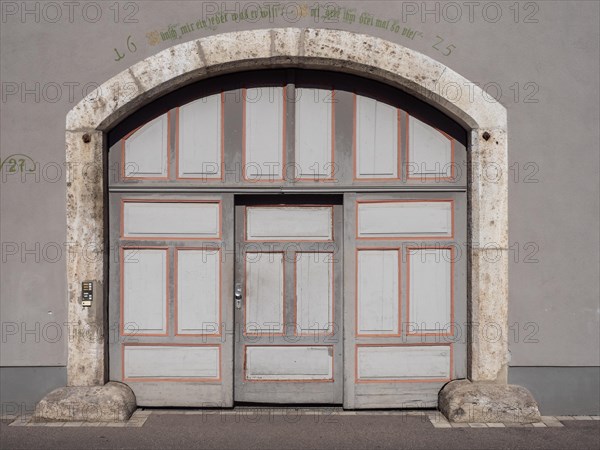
(404,297)
(264,292)
(289,344)
(170,298)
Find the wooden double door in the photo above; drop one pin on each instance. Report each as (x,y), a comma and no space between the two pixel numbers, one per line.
(353,299)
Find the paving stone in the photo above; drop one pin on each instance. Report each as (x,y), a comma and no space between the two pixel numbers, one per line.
(73,424)
(495,425)
(549,419)
(478,425)
(20,421)
(539,425)
(582,418)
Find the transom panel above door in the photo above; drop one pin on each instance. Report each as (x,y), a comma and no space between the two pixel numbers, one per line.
(288,302)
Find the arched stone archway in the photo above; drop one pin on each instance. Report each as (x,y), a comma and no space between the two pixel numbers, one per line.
(367,56)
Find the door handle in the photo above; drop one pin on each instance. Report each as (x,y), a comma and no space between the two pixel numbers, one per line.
(238,296)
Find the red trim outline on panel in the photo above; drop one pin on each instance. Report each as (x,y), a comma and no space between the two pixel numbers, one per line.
(408,250)
(166,379)
(222,149)
(289,206)
(426,177)
(332,173)
(284,146)
(176,292)
(404,238)
(122,289)
(328,380)
(167,238)
(315,332)
(127,136)
(355,176)
(432,380)
(283,324)
(367,335)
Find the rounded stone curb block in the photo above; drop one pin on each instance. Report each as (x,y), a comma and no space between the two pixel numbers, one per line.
(113,402)
(464,401)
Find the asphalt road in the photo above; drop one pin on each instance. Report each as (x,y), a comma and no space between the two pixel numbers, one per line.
(178,431)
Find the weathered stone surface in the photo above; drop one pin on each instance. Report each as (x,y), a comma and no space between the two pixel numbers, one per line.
(489,315)
(85,259)
(464,401)
(113,402)
(489,180)
(169,69)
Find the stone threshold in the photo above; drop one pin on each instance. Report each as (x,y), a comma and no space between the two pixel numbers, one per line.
(437,419)
(137,420)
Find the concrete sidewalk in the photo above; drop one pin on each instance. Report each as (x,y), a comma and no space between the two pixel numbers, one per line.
(297,429)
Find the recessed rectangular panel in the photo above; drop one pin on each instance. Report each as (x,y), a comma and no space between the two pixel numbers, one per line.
(145,291)
(314,292)
(200,138)
(289,363)
(314,136)
(186,220)
(313,223)
(397,363)
(146,150)
(429,151)
(377,292)
(430,287)
(264,292)
(264,133)
(405,219)
(171,362)
(376,139)
(198,291)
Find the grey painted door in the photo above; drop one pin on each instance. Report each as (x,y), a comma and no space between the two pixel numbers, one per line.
(288,304)
(170,289)
(404,297)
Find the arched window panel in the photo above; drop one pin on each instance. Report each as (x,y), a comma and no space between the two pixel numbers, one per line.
(264,133)
(314,125)
(288,129)
(376,139)
(200,138)
(430,152)
(146,150)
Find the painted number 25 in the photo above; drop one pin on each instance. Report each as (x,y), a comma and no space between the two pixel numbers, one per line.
(447,50)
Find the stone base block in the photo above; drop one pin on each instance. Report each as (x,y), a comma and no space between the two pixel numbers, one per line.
(464,401)
(113,402)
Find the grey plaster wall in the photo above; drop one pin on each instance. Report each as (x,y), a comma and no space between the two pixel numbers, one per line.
(543,65)
(22,387)
(561,390)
